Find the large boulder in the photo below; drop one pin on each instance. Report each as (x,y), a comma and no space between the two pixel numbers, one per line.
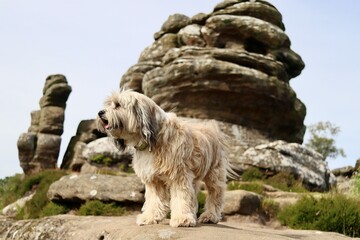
(233,65)
(304,163)
(241,202)
(83,187)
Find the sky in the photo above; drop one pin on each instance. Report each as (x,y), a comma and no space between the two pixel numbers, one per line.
(94,42)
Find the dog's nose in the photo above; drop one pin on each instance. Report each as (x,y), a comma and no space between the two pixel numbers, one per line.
(101,113)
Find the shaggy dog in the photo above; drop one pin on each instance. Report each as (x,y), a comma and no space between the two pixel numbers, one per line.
(171,158)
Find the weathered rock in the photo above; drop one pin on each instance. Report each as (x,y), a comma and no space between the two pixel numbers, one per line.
(279,156)
(102,153)
(133,77)
(85,187)
(26,145)
(52,120)
(157,50)
(241,202)
(35,121)
(86,132)
(232,65)
(346,171)
(357,165)
(40,147)
(173,24)
(47,150)
(56,91)
(12,209)
(191,36)
(68,227)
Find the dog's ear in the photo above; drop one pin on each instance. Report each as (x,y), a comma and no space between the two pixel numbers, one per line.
(146,117)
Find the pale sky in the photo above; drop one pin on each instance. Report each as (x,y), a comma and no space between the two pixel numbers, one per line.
(93,43)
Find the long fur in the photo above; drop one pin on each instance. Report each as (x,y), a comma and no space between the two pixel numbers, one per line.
(171,158)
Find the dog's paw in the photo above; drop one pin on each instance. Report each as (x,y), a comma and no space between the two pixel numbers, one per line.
(143,219)
(184,220)
(209,217)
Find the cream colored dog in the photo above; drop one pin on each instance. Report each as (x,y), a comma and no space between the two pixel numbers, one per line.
(171,158)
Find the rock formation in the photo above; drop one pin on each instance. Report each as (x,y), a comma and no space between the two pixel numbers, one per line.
(85,133)
(305,164)
(232,65)
(39,147)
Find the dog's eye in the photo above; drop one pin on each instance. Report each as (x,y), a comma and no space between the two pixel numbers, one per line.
(117,105)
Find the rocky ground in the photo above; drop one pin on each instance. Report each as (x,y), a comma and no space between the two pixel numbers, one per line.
(66,227)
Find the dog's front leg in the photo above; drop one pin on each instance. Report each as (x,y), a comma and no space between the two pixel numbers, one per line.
(183,204)
(156,204)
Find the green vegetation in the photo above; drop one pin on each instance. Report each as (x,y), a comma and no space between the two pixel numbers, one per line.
(201,197)
(286,182)
(255,181)
(322,141)
(256,187)
(15,187)
(270,208)
(101,159)
(252,174)
(336,213)
(52,209)
(99,208)
(357,184)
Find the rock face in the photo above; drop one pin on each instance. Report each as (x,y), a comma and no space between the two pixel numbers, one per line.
(67,227)
(39,147)
(90,151)
(85,133)
(232,65)
(304,163)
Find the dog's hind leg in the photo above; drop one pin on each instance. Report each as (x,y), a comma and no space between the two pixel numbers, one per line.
(156,204)
(215,182)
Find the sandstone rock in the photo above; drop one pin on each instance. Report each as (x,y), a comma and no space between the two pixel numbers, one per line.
(357,165)
(191,36)
(85,187)
(173,24)
(40,147)
(96,151)
(68,227)
(241,202)
(56,91)
(52,120)
(12,209)
(158,49)
(38,151)
(85,133)
(35,121)
(264,11)
(279,156)
(346,171)
(133,77)
(27,146)
(232,65)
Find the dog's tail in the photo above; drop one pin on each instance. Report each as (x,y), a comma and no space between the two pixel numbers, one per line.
(224,141)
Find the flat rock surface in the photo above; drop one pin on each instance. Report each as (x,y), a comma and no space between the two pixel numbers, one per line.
(87,228)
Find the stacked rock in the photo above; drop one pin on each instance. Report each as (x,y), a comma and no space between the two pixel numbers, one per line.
(233,65)
(39,147)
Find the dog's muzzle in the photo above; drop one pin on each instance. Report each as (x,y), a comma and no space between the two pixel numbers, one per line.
(103,119)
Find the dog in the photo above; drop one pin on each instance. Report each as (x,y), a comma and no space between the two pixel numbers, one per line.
(172,157)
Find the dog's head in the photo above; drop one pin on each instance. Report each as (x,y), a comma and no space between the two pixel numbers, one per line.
(129,118)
